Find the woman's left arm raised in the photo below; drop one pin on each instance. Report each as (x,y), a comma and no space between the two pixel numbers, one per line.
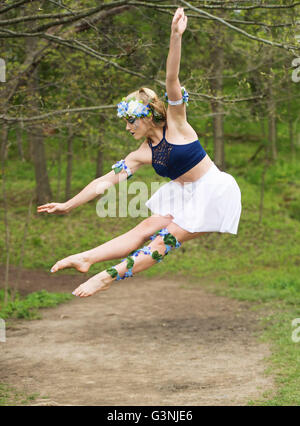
(179,23)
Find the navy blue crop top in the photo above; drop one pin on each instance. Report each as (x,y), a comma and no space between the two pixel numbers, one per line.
(171,160)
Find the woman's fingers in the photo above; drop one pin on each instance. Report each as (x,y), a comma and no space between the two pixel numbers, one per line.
(45,209)
(45,206)
(179,12)
(49,208)
(42,207)
(179,20)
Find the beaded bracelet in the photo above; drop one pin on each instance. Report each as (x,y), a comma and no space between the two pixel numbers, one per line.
(120,165)
(185,98)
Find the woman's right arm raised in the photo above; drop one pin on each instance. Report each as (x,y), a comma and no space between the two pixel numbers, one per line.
(134,161)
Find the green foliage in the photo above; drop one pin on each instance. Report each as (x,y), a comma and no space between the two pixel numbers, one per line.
(265,285)
(261,263)
(27,307)
(9,396)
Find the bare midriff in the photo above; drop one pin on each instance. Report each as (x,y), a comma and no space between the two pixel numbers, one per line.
(196,172)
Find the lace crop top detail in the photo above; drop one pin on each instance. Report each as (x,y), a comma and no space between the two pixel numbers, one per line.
(172,161)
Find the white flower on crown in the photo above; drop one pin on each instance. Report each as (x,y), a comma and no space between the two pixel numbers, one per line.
(135,108)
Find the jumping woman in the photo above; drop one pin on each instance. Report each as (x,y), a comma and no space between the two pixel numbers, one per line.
(198,199)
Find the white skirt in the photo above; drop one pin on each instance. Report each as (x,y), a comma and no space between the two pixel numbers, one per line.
(212,203)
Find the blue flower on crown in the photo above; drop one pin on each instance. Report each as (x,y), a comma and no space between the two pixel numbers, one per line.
(133,108)
(122,109)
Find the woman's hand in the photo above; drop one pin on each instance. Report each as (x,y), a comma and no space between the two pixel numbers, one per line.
(179,22)
(57,208)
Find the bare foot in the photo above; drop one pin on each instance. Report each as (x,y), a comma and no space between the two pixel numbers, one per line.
(99,282)
(77,261)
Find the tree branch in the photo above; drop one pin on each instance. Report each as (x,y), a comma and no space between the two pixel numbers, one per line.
(36,56)
(9,119)
(81,15)
(36,17)
(73,44)
(57,112)
(239,7)
(14,5)
(222,21)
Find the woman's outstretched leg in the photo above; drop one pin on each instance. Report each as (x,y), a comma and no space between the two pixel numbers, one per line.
(169,238)
(116,248)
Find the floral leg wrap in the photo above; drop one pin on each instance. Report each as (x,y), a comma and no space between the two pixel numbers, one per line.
(170,243)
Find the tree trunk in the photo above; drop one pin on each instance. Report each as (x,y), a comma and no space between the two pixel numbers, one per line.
(218,135)
(216,86)
(59,155)
(4,146)
(69,163)
(262,191)
(291,133)
(206,133)
(290,120)
(35,134)
(99,165)
(272,124)
(43,191)
(20,142)
(297,136)
(271,105)
(22,249)
(264,171)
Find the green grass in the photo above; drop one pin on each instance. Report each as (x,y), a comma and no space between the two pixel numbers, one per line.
(9,396)
(28,307)
(260,264)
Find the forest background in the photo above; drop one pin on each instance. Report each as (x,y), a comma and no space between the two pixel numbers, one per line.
(63,68)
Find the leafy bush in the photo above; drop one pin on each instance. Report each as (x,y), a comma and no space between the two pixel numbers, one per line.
(28,306)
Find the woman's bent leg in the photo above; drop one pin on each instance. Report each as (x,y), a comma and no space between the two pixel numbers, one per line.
(116,248)
(171,237)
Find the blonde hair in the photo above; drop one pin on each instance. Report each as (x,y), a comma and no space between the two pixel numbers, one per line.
(148,96)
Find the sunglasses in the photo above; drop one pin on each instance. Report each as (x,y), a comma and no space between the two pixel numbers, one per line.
(131,120)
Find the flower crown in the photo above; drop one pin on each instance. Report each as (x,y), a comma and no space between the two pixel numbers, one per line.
(133,108)
(136,108)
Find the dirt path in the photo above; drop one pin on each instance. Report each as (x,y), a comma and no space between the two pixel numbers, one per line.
(143,342)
